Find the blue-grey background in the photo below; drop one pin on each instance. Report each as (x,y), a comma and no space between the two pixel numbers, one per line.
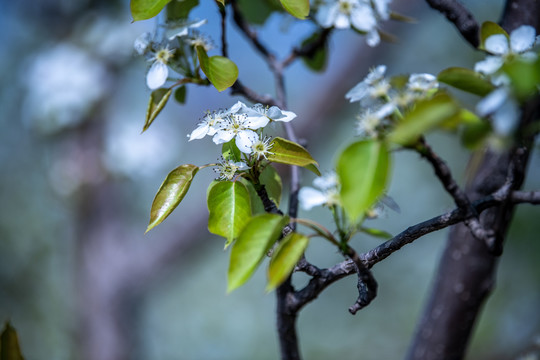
(80,280)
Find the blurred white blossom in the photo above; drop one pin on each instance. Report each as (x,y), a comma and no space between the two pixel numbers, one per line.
(158,73)
(326,194)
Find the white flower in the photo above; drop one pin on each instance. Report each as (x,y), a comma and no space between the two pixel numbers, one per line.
(342,14)
(240,128)
(381,8)
(503,110)
(520,42)
(365,88)
(181,28)
(369,120)
(142,42)
(262,114)
(158,73)
(209,124)
(261,148)
(422,83)
(327,195)
(227,169)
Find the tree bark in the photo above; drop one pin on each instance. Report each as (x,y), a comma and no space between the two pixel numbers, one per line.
(466,273)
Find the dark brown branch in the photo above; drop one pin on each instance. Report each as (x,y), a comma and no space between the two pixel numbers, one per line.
(328,276)
(367,286)
(460,198)
(460,16)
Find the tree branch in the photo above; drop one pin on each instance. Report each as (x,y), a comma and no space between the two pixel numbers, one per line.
(460,16)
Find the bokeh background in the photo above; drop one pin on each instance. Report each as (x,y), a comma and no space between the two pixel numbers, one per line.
(80,280)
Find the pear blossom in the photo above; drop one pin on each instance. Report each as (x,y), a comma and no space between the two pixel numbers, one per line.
(158,73)
(521,40)
(422,83)
(371,119)
(261,148)
(142,43)
(503,110)
(365,88)
(238,127)
(327,195)
(181,28)
(209,124)
(342,14)
(227,169)
(263,113)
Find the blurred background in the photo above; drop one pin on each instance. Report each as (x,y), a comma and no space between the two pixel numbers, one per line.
(80,280)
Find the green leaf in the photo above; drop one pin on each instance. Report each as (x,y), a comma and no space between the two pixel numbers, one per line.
(230,151)
(490,28)
(221,71)
(158,99)
(466,80)
(256,12)
(362,169)
(180,94)
(285,257)
(257,206)
(376,233)
(475,133)
(9,344)
(319,59)
(146,9)
(170,193)
(272,183)
(297,8)
(180,9)
(423,117)
(525,76)
(290,153)
(230,209)
(258,236)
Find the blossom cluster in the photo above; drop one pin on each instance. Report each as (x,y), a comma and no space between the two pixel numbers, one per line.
(173,51)
(244,124)
(381,98)
(361,15)
(500,105)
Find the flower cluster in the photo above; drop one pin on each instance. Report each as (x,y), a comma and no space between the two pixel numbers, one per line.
(500,105)
(381,98)
(174,51)
(362,15)
(244,125)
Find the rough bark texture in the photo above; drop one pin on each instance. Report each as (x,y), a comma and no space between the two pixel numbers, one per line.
(467,269)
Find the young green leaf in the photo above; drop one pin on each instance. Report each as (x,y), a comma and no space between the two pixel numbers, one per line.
(489,28)
(272,182)
(146,9)
(230,151)
(170,193)
(230,209)
(316,61)
(9,344)
(158,100)
(257,206)
(376,233)
(291,153)
(466,80)
(423,117)
(180,94)
(221,71)
(180,9)
(525,76)
(362,169)
(258,236)
(285,257)
(256,12)
(297,8)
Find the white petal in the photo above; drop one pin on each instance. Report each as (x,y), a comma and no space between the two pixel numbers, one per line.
(381,6)
(245,139)
(237,107)
(506,118)
(326,14)
(256,122)
(199,132)
(287,116)
(358,92)
(326,181)
(489,65)
(363,19)
(310,197)
(222,136)
(522,39)
(141,43)
(373,38)
(492,102)
(157,75)
(497,44)
(342,21)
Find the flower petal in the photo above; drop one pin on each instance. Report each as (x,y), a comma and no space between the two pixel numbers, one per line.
(222,136)
(326,14)
(256,122)
(310,197)
(522,38)
(373,38)
(497,44)
(200,132)
(157,75)
(492,102)
(245,139)
(363,18)
(506,118)
(489,65)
